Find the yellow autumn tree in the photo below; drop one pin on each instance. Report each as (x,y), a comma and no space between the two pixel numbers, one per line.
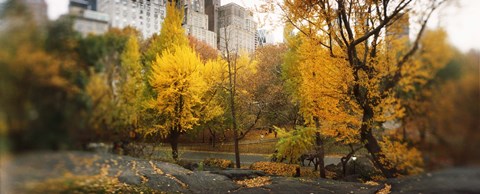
(171,33)
(240,101)
(178,78)
(101,118)
(130,86)
(354,62)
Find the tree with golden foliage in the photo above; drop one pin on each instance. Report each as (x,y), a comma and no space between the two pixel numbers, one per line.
(178,78)
(171,33)
(130,85)
(354,60)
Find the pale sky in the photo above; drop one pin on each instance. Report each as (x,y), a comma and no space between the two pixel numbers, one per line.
(461,22)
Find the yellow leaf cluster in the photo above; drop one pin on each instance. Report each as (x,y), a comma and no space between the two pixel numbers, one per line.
(401,157)
(323,92)
(294,143)
(184,87)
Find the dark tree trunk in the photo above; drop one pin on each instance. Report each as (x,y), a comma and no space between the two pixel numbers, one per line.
(173,138)
(214,139)
(319,149)
(320,154)
(237,149)
(375,151)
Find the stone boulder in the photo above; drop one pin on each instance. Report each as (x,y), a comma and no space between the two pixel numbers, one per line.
(363,167)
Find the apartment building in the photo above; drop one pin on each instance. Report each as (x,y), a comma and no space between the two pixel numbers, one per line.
(211,9)
(86,19)
(145,15)
(236,29)
(196,22)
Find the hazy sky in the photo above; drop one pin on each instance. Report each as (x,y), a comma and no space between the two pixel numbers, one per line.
(462,22)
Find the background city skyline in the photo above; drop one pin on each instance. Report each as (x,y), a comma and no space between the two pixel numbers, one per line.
(458,19)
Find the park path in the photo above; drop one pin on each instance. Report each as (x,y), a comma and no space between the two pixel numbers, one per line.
(245,159)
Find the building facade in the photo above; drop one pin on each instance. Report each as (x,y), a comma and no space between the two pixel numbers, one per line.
(144,15)
(211,9)
(86,19)
(196,22)
(91,22)
(264,37)
(236,29)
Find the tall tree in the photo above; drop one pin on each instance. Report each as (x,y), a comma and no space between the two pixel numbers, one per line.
(356,40)
(239,67)
(178,78)
(39,93)
(171,33)
(130,85)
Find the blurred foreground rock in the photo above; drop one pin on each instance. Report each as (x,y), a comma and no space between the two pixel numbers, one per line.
(36,167)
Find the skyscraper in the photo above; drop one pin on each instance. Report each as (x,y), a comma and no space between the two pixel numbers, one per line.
(264,37)
(144,15)
(211,9)
(236,29)
(196,22)
(86,19)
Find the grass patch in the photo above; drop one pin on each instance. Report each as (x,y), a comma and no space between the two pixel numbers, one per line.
(254,148)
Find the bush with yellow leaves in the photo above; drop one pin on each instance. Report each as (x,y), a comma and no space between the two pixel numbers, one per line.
(275,168)
(216,162)
(399,156)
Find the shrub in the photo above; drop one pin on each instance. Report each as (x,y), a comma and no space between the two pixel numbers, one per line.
(216,162)
(275,168)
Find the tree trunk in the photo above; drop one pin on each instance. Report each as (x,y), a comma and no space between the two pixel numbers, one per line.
(371,143)
(173,137)
(214,138)
(237,150)
(375,151)
(344,161)
(319,149)
(320,154)
(232,84)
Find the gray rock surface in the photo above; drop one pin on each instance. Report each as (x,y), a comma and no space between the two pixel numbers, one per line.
(456,180)
(173,178)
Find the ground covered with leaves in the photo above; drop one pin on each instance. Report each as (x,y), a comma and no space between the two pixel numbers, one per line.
(81,172)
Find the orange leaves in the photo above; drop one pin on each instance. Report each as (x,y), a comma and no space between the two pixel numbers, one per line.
(255,182)
(217,162)
(323,87)
(28,63)
(274,168)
